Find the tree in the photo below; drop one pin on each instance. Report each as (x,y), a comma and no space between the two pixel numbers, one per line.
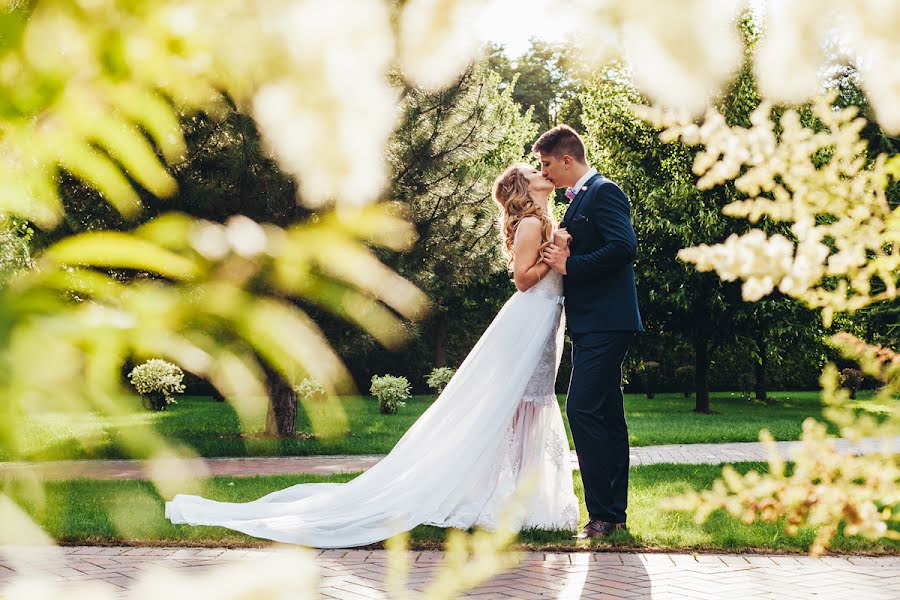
(880,322)
(671,213)
(93,138)
(548,78)
(668,213)
(224,172)
(775,327)
(444,156)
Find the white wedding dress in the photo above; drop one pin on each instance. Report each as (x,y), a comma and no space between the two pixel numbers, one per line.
(459,464)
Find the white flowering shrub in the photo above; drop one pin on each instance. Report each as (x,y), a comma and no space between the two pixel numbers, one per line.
(310,389)
(843,227)
(843,255)
(157,381)
(392,392)
(439,378)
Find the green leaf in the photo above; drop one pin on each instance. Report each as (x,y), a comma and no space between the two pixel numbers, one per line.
(95,168)
(120,250)
(40,204)
(170,230)
(127,145)
(352,306)
(892,166)
(84,281)
(295,346)
(155,115)
(12,24)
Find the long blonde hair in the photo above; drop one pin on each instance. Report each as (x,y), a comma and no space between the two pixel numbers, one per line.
(511,193)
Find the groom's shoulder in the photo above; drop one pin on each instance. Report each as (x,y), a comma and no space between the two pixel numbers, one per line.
(603,184)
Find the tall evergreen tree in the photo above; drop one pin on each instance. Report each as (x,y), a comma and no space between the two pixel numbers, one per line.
(445,155)
(671,213)
(549,78)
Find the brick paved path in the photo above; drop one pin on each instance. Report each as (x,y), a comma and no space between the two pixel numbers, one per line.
(359,574)
(131,469)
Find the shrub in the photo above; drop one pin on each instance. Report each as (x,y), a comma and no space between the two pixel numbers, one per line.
(157,381)
(650,370)
(684,376)
(310,389)
(439,378)
(391,392)
(852,379)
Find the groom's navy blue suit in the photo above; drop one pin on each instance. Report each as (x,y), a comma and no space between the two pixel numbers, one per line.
(602,316)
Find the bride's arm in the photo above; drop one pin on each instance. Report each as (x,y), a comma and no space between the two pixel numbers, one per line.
(527,268)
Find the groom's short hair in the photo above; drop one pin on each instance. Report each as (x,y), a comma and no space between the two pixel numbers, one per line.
(559,141)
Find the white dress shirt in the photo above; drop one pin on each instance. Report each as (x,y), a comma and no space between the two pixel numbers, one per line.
(577,187)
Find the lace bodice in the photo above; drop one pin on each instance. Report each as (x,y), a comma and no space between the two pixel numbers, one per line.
(541,386)
(550,284)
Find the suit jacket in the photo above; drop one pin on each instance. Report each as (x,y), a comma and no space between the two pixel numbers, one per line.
(599,281)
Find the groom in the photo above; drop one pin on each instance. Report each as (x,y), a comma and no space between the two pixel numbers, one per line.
(602,316)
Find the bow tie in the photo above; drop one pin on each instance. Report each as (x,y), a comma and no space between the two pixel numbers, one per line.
(570,193)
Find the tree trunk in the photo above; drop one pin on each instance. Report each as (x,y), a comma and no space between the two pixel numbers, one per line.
(281,420)
(701,374)
(759,370)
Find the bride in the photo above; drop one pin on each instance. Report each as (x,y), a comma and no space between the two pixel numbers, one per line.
(495,423)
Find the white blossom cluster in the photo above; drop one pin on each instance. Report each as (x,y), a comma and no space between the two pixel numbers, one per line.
(317,76)
(843,228)
(309,388)
(327,107)
(681,52)
(439,377)
(391,391)
(157,376)
(793,51)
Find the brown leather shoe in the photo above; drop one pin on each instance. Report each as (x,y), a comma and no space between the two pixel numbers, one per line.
(599,529)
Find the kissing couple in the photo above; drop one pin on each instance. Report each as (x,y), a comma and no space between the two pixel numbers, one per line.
(497,422)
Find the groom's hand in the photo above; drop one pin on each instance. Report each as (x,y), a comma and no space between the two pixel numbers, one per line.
(555,257)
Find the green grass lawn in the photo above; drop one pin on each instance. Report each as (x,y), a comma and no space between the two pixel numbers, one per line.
(213,430)
(131,512)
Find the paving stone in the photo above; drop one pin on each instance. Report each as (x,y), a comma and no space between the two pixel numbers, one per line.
(355,574)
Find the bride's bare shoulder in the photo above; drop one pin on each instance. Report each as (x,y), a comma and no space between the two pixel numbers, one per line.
(529,226)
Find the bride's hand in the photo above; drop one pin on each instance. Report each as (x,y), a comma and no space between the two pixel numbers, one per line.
(561,237)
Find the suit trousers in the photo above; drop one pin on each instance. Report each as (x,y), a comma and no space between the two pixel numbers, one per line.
(596,412)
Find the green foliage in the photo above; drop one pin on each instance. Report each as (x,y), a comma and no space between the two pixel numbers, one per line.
(310,389)
(439,378)
(444,156)
(15,247)
(158,381)
(390,391)
(650,374)
(93,110)
(548,79)
(669,213)
(852,379)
